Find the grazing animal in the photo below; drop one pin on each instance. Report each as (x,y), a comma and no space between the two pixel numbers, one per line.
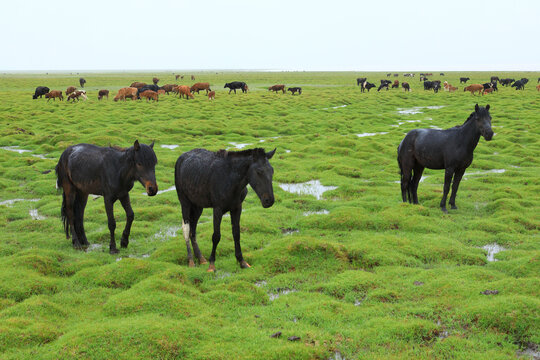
(367,85)
(40,91)
(85,169)
(184,90)
(423,78)
(524,80)
(70,89)
(494,78)
(396,75)
(53,94)
(487,91)
(155,80)
(506,82)
(149,94)
(161,92)
(211,95)
(236,85)
(405,86)
(103,93)
(277,88)
(474,88)
(538,87)
(519,85)
(176,77)
(294,90)
(137,84)
(442,74)
(451,88)
(168,88)
(219,180)
(395,85)
(432,85)
(200,86)
(389,74)
(192,77)
(384,84)
(538,80)
(82,81)
(451,149)
(360,81)
(127,92)
(76,95)
(463,80)
(147,87)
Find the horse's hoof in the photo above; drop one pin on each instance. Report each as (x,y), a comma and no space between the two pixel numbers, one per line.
(244,265)
(191,263)
(454,207)
(203,261)
(444,210)
(211,268)
(113,251)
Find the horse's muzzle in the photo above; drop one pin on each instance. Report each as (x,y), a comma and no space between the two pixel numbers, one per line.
(488,135)
(267,201)
(151,189)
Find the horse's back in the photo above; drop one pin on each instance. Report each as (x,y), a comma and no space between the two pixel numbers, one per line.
(426,146)
(194,176)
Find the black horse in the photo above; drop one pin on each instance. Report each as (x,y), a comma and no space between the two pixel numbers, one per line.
(40,91)
(218,180)
(88,169)
(451,149)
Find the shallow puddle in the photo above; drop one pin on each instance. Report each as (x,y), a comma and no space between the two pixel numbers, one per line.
(335,107)
(287,151)
(371,134)
(492,250)
(416,109)
(485,172)
(408,121)
(261,283)
(238,145)
(312,187)
(167,233)
(320,212)
(280,292)
(35,216)
(289,231)
(162,191)
(170,147)
(337,356)
(17,149)
(10,203)
(94,247)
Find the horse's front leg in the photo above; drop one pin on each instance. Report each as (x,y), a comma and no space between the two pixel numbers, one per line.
(109,208)
(216,236)
(449,172)
(130,216)
(455,185)
(235,222)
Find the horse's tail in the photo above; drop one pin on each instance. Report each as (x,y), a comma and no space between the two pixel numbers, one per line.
(61,176)
(408,181)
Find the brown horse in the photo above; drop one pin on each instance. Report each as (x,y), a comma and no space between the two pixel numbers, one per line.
(474,88)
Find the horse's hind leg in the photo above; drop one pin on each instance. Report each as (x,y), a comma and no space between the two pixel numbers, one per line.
(216,236)
(449,172)
(418,170)
(196,214)
(109,208)
(235,222)
(455,185)
(186,228)
(80,205)
(126,204)
(70,198)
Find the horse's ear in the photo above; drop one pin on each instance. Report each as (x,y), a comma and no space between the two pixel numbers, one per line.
(270,154)
(476,108)
(487,107)
(152,144)
(136,145)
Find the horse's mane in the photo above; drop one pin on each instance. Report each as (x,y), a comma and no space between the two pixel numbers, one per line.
(115,147)
(257,152)
(473,115)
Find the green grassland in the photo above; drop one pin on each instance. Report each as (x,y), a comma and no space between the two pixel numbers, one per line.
(371,279)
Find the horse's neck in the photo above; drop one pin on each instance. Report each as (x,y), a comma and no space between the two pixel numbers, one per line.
(469,134)
(125,167)
(240,167)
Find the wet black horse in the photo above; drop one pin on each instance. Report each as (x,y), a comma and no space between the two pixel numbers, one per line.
(451,149)
(219,180)
(85,169)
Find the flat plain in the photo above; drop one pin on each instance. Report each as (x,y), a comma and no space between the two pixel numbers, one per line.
(342,263)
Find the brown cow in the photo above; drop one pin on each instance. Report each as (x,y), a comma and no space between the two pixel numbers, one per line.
(161,92)
(185,90)
(168,88)
(395,85)
(149,94)
(487,91)
(155,80)
(127,92)
(201,86)
(53,94)
(212,95)
(137,84)
(103,93)
(277,88)
(192,77)
(474,88)
(538,87)
(76,95)
(176,77)
(70,89)
(406,86)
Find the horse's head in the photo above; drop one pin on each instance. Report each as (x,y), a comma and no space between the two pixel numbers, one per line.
(145,165)
(483,121)
(260,176)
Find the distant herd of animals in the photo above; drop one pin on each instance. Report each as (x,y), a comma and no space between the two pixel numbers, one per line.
(138,90)
(435,85)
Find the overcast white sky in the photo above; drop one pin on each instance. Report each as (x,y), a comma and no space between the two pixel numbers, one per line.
(276,34)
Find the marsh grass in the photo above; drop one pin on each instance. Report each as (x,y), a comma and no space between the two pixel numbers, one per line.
(372,278)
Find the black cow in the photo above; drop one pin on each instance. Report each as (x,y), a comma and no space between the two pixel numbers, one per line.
(367,85)
(507,81)
(388,75)
(428,85)
(442,74)
(492,84)
(384,84)
(40,91)
(524,80)
(360,81)
(463,80)
(82,81)
(519,85)
(236,85)
(538,81)
(494,78)
(147,87)
(293,90)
